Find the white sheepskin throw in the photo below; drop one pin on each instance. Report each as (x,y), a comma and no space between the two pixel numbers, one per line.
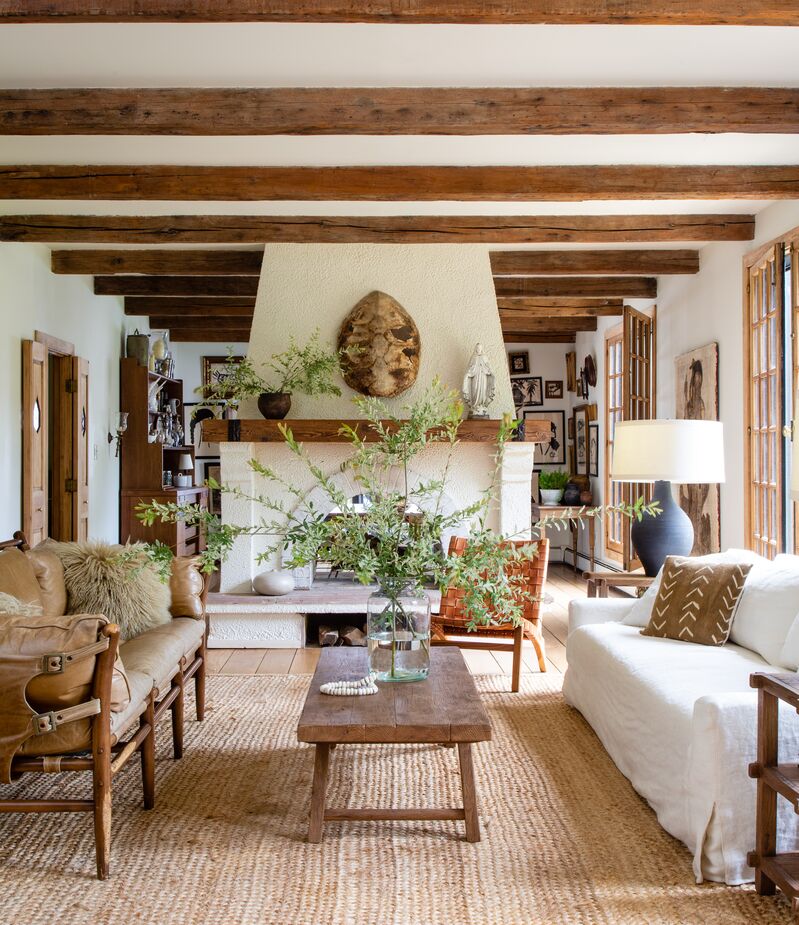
(119,582)
(11,604)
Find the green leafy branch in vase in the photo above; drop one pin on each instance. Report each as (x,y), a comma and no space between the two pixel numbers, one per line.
(395,537)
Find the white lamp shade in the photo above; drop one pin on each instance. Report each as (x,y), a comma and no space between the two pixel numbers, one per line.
(184,462)
(685,452)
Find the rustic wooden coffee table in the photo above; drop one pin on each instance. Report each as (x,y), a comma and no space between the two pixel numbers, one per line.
(443,709)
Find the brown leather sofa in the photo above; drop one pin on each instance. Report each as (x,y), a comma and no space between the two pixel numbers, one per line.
(73,699)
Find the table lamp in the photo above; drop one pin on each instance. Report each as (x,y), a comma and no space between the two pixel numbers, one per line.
(666,451)
(186,467)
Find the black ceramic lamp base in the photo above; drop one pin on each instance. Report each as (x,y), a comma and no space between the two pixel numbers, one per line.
(670,533)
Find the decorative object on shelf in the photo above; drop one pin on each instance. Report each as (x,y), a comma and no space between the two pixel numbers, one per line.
(571,494)
(553,452)
(398,631)
(571,371)
(137,347)
(551,484)
(273,583)
(215,370)
(152,394)
(165,367)
(553,388)
(519,363)
(194,413)
(581,439)
(167,478)
(185,477)
(589,370)
(696,380)
(119,427)
(380,347)
(665,451)
(593,450)
(310,369)
(527,391)
(359,688)
(161,347)
(479,384)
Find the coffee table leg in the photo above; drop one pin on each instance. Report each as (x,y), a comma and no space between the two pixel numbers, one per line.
(318,791)
(469,792)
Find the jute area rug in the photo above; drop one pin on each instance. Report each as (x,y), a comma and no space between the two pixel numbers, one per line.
(565,838)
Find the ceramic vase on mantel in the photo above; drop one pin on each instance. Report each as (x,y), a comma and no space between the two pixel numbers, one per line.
(398,631)
(274,406)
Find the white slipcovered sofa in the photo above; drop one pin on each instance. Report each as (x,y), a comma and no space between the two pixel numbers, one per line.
(680,720)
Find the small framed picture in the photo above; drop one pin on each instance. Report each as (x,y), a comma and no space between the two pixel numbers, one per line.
(571,429)
(581,440)
(194,413)
(211,469)
(527,391)
(552,453)
(215,371)
(519,363)
(593,450)
(553,388)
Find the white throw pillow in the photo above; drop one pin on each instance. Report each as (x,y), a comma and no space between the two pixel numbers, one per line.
(768,609)
(641,611)
(789,655)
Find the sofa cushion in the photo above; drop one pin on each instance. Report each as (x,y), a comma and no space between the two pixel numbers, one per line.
(140,686)
(50,575)
(641,612)
(767,610)
(186,588)
(119,581)
(18,578)
(696,601)
(157,653)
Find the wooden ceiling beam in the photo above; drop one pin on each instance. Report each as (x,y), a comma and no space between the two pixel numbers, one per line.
(203,323)
(556,312)
(396,184)
(529,337)
(472,12)
(587,306)
(558,263)
(214,334)
(404,229)
(158,262)
(575,287)
(549,324)
(169,305)
(203,315)
(183,286)
(399,111)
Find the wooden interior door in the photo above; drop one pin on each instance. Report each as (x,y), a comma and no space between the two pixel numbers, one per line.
(34,441)
(80,449)
(639,382)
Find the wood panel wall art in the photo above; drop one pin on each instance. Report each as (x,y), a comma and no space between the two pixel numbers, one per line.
(387,347)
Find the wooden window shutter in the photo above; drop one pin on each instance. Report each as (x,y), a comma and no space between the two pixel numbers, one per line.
(80,449)
(34,441)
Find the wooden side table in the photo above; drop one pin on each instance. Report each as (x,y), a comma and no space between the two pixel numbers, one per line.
(773,870)
(558,510)
(599,582)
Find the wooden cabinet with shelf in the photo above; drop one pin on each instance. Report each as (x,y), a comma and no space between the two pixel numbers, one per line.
(143,463)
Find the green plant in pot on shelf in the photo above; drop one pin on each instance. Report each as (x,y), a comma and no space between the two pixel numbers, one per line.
(394,538)
(552,484)
(310,369)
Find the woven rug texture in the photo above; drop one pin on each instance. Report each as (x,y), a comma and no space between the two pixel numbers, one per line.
(566,840)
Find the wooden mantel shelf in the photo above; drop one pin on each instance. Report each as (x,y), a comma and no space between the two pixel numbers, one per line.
(328,431)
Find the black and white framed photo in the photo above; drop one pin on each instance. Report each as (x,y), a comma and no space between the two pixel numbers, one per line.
(519,363)
(554,452)
(581,422)
(593,450)
(553,388)
(527,391)
(194,413)
(215,370)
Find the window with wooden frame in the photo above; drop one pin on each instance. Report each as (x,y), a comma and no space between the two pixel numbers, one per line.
(630,395)
(771,364)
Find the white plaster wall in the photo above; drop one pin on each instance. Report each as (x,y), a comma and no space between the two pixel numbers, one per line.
(446,288)
(32,298)
(188,363)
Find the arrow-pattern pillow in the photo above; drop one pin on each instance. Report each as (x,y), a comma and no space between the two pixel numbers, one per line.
(696,601)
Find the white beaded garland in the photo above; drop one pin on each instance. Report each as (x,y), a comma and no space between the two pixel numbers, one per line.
(359,688)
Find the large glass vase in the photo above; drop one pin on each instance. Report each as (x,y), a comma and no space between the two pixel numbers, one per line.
(398,632)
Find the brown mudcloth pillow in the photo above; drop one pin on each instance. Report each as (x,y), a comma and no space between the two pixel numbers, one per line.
(696,601)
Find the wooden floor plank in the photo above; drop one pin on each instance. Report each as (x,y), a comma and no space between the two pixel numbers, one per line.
(244,661)
(216,659)
(277,661)
(305,661)
(481,661)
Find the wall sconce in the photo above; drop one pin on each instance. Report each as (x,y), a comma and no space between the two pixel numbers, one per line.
(120,425)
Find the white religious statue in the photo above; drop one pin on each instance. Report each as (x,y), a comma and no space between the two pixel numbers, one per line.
(479,385)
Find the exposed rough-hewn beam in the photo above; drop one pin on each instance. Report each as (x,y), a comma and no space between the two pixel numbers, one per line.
(576,287)
(476,12)
(560,263)
(398,111)
(176,285)
(530,337)
(204,322)
(404,229)
(158,262)
(192,314)
(544,325)
(397,184)
(169,305)
(552,304)
(553,311)
(214,334)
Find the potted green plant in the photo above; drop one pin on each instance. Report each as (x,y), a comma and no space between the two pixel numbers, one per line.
(310,369)
(394,538)
(551,484)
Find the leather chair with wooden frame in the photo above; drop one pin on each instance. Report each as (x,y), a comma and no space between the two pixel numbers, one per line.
(449,627)
(118,708)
